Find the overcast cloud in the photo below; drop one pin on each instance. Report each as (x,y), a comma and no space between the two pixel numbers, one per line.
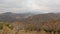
(24,5)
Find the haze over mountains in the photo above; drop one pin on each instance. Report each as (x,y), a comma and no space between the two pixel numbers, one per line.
(9,16)
(44,17)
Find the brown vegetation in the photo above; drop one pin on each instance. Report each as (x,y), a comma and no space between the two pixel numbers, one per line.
(38,24)
(51,27)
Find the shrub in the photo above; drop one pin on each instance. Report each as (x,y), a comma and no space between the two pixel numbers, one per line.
(1,27)
(9,25)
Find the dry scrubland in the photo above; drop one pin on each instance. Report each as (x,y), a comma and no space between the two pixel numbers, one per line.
(50,27)
(12,23)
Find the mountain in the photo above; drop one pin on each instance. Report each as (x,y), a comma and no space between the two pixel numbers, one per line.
(9,16)
(29,17)
(29,20)
(37,19)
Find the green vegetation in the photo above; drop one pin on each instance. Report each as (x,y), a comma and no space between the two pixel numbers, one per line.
(30,28)
(1,27)
(9,25)
(6,24)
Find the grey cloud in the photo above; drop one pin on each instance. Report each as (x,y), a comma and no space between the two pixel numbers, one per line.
(21,5)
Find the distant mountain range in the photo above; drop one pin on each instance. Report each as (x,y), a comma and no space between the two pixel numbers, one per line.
(29,17)
(36,19)
(9,16)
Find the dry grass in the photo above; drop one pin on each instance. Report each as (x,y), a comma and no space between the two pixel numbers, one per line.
(22,32)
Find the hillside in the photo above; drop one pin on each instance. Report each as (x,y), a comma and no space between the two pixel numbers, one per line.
(29,17)
(34,24)
(42,18)
(8,16)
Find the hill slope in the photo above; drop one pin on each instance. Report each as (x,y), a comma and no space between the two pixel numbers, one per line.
(43,18)
(8,16)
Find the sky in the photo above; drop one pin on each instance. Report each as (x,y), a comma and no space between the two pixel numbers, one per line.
(29,5)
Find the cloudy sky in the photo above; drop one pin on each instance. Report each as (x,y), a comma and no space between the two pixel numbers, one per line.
(29,5)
